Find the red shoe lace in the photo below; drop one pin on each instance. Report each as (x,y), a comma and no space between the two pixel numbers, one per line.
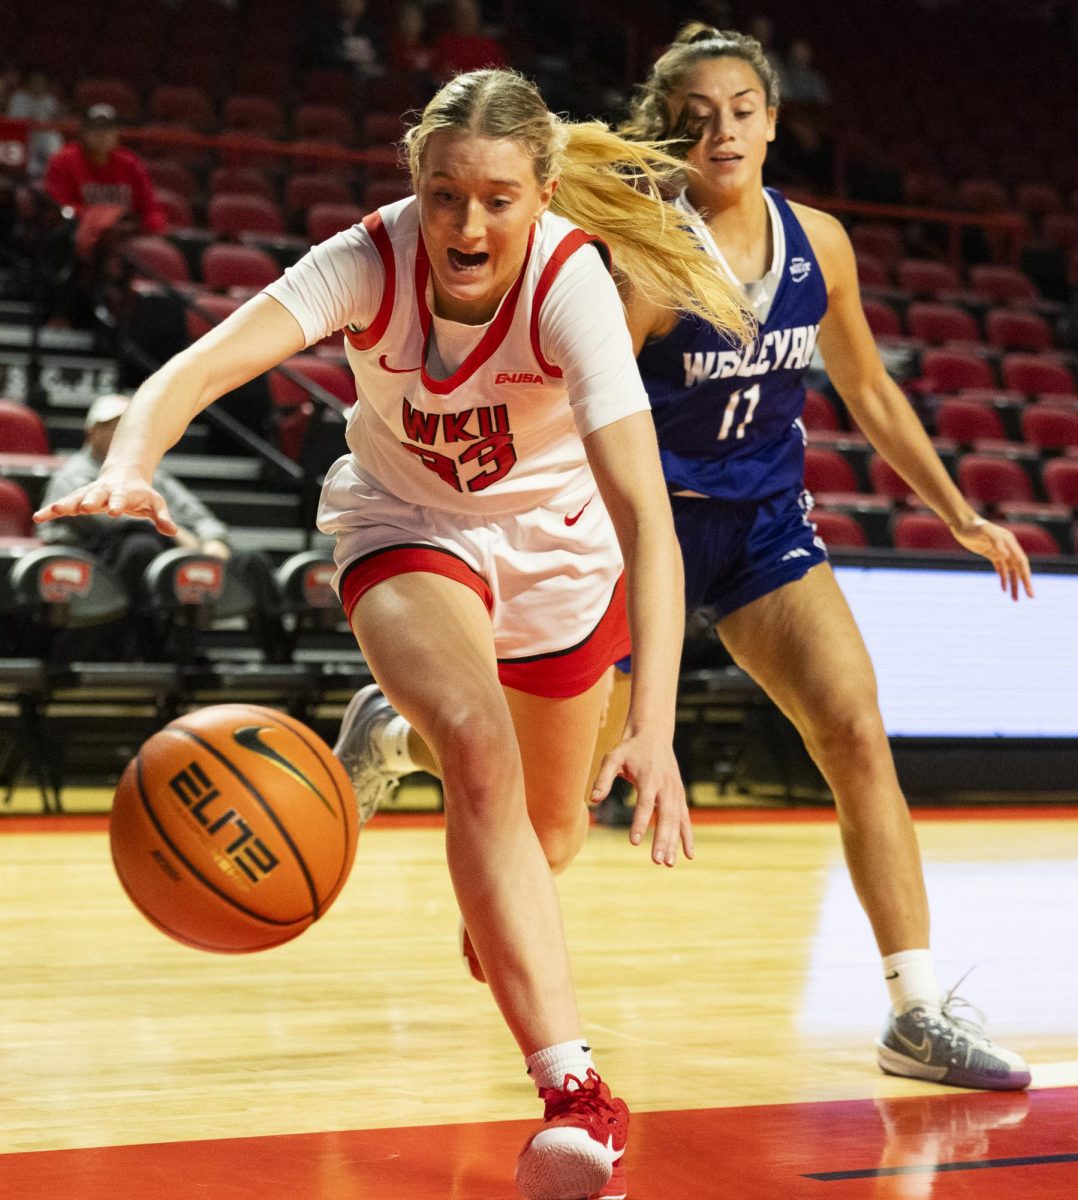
(590,1099)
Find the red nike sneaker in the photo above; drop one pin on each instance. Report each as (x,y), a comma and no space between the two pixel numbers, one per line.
(578,1151)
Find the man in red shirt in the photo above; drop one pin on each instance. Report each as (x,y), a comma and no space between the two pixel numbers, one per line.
(104,184)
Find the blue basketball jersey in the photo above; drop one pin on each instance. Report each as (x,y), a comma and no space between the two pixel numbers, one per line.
(729,420)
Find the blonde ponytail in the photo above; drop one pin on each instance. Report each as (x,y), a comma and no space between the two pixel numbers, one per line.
(609,186)
(615,189)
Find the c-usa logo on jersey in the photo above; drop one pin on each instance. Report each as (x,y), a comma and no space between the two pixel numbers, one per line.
(799,269)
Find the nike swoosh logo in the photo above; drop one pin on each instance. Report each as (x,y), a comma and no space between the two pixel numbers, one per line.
(395,370)
(250,738)
(893,975)
(573,520)
(922,1052)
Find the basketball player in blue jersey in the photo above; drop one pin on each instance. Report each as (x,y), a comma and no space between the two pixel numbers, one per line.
(732,447)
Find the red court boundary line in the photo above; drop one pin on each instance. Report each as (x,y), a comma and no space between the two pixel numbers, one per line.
(99,822)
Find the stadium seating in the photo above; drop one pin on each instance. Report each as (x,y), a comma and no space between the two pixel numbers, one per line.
(231,215)
(1035,373)
(1050,427)
(827,471)
(966,422)
(207,310)
(882,318)
(987,479)
(15,511)
(1034,539)
(226,266)
(923,277)
(324,220)
(1011,329)
(819,413)
(1060,477)
(949,371)
(923,531)
(1001,284)
(22,431)
(188,106)
(158,258)
(839,530)
(937,323)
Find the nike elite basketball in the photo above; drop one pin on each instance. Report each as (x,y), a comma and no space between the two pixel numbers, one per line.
(234,828)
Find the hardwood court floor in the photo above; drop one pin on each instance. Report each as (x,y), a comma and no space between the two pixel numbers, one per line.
(732,1001)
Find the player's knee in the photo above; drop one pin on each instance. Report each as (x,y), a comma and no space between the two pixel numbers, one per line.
(852,733)
(561,835)
(477,749)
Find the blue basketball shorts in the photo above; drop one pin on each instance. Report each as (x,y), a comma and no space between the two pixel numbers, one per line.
(737,551)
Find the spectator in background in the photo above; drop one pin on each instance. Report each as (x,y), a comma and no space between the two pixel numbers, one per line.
(464,47)
(799,80)
(102,182)
(35,99)
(349,38)
(409,50)
(127,544)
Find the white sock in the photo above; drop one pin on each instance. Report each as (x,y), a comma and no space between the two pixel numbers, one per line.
(392,740)
(548,1068)
(911,980)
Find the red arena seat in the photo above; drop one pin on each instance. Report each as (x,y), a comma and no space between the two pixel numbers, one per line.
(982,195)
(882,318)
(177,209)
(986,479)
(178,178)
(949,370)
(253,114)
(1011,329)
(380,192)
(880,241)
(923,531)
(872,271)
(1049,427)
(22,431)
(819,412)
(15,511)
(1033,373)
(937,323)
(229,214)
(1034,539)
(1061,229)
(117,92)
(828,471)
(158,258)
(240,181)
(923,277)
(838,529)
(181,105)
(228,266)
(307,188)
(1038,199)
(1001,283)
(886,481)
(324,220)
(323,122)
(966,421)
(1060,476)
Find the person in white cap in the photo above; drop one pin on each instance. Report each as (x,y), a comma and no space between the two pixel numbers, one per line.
(127,545)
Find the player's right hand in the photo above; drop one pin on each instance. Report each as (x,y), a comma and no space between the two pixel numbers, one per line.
(117,492)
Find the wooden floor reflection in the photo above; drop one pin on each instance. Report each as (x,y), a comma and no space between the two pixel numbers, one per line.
(732,1001)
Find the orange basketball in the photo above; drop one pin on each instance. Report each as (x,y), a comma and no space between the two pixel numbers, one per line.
(233,828)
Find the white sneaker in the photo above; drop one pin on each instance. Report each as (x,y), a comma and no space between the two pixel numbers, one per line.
(946,1048)
(360,751)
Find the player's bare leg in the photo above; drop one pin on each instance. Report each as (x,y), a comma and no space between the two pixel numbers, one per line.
(801,644)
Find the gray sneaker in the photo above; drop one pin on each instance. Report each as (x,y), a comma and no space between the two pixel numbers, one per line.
(943,1047)
(360,755)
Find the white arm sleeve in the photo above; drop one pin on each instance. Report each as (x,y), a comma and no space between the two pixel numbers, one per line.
(336,283)
(582,330)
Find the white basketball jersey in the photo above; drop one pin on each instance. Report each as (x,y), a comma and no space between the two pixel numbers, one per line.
(497,436)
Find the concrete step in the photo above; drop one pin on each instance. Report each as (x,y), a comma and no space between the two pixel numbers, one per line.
(261,509)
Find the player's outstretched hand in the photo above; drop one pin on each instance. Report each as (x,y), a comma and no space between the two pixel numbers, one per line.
(118,492)
(1002,550)
(650,766)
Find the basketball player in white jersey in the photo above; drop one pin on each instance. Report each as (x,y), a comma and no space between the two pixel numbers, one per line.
(502,464)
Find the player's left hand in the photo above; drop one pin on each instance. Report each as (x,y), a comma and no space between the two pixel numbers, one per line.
(1002,550)
(650,766)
